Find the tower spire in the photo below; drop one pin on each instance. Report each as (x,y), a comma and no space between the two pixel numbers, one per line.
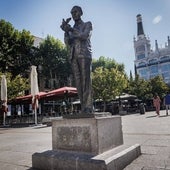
(140,30)
(168,41)
(156,46)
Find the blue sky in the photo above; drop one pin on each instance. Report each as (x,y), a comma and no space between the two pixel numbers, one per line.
(114,22)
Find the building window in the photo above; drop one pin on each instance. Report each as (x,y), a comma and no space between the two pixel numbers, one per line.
(142,64)
(143,73)
(165,59)
(153,71)
(140,48)
(141,56)
(165,68)
(166,76)
(152,62)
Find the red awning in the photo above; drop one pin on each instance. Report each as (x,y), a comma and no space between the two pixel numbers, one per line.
(51,95)
(61,93)
(27,98)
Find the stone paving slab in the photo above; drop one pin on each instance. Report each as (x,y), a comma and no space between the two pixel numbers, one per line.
(151,161)
(158,142)
(152,150)
(6,166)
(18,144)
(153,134)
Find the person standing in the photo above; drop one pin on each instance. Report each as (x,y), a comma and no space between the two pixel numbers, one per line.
(156,103)
(77,39)
(167,102)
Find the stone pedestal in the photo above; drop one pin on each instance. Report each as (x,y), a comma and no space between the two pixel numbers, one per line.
(86,144)
(90,135)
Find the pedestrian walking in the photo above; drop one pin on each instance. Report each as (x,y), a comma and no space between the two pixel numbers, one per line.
(167,102)
(156,103)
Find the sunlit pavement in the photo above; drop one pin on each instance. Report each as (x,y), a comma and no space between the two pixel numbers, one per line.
(153,134)
(18,144)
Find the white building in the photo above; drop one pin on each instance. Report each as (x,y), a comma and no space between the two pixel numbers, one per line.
(150,63)
(37,41)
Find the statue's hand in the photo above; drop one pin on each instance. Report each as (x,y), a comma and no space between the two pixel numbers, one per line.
(68,20)
(65,26)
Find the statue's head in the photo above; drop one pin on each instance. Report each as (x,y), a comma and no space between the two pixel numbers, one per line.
(76,12)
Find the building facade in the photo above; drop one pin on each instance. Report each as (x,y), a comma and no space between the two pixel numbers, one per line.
(150,63)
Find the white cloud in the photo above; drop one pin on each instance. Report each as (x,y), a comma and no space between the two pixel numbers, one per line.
(157,19)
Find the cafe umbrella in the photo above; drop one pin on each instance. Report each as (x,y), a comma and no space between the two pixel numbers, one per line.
(34,91)
(4,96)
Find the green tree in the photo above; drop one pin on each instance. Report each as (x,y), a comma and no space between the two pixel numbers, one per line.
(23,54)
(15,50)
(107,83)
(158,86)
(106,63)
(145,89)
(139,87)
(54,61)
(7,41)
(15,86)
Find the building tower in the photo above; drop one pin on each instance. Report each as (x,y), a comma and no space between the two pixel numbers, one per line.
(141,46)
(149,63)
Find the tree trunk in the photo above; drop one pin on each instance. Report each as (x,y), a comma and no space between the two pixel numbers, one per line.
(104,106)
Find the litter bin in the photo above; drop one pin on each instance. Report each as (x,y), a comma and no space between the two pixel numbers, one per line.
(142,108)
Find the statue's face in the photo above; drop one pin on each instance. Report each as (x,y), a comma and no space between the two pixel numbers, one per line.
(76,14)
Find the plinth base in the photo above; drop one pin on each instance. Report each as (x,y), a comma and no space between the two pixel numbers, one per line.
(90,135)
(114,159)
(86,144)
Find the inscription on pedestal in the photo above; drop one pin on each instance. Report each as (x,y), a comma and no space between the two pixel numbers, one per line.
(74,138)
(90,135)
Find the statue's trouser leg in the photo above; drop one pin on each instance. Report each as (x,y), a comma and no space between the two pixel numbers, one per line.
(85,77)
(82,71)
(77,78)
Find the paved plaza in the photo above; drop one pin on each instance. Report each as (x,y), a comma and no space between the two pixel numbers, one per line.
(153,134)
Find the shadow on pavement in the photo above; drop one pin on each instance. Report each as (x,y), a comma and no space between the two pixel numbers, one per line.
(151,116)
(164,116)
(157,116)
(40,127)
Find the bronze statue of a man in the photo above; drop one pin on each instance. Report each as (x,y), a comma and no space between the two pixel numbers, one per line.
(77,39)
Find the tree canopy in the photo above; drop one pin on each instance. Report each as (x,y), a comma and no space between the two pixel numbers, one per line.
(15,86)
(15,49)
(145,89)
(108,79)
(107,63)
(18,53)
(54,61)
